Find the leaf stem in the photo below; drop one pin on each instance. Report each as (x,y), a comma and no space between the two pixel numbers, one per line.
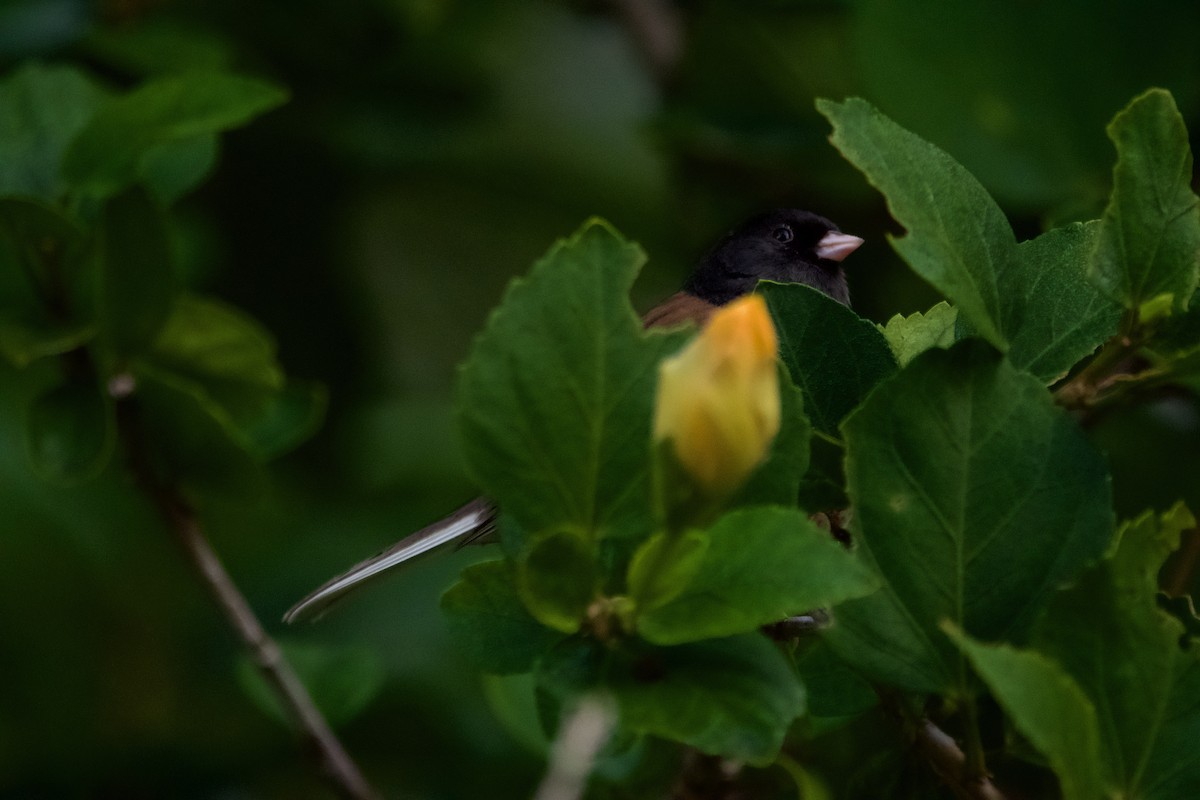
(830,438)
(335,763)
(1083,389)
(976,762)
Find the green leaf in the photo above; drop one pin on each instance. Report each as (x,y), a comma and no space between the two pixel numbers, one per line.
(833,355)
(217,344)
(41,252)
(558,578)
(1179,333)
(1150,235)
(731,697)
(1156,308)
(912,335)
(22,342)
(224,360)
(192,439)
(1066,317)
(975,497)
(1173,765)
(556,400)
(1032,301)
(38,246)
(70,432)
(1047,707)
(663,566)
(1145,687)
(289,417)
(174,168)
(512,702)
(222,352)
(42,109)
(1181,368)
(489,622)
(1141,548)
(824,485)
(834,689)
(342,681)
(958,239)
(761,566)
(109,152)
(137,282)
(807,782)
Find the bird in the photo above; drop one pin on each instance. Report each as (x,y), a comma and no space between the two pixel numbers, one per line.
(785,245)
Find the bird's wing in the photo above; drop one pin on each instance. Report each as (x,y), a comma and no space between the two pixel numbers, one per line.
(473,521)
(678,309)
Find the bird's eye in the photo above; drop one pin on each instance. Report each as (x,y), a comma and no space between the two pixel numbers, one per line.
(782,234)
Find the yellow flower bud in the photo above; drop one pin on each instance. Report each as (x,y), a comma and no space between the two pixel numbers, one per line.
(718,398)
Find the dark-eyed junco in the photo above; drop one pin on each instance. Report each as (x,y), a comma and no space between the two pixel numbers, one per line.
(785,245)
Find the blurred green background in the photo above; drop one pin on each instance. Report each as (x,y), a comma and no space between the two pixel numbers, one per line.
(433,149)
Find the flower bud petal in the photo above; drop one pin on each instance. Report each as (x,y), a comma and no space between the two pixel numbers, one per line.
(718,398)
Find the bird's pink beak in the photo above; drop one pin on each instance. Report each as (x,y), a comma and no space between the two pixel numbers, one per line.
(835,246)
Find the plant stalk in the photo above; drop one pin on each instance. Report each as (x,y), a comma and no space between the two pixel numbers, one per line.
(941,752)
(1081,390)
(181,518)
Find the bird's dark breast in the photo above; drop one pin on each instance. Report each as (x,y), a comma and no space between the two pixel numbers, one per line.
(831,282)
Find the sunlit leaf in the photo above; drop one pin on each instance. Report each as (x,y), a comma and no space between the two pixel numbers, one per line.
(558,578)
(1047,707)
(912,335)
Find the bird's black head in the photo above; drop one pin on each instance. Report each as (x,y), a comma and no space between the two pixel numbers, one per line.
(785,245)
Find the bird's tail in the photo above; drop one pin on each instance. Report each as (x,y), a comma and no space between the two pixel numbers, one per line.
(473,521)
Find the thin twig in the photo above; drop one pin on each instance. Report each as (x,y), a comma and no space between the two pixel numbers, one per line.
(335,763)
(579,740)
(79,364)
(942,753)
(947,759)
